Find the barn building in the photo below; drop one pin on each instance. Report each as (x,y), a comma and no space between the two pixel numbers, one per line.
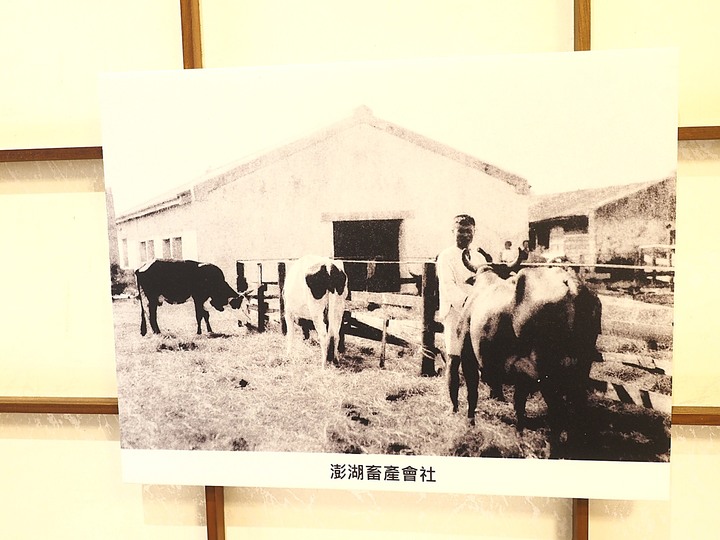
(604,225)
(363,189)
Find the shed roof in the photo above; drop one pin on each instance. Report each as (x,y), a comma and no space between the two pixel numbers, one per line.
(582,202)
(362,115)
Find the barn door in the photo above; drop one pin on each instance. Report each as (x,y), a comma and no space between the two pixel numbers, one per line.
(369,240)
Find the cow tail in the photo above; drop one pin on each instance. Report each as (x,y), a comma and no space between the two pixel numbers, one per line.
(143,322)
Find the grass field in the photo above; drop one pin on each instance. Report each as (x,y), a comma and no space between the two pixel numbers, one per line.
(238,390)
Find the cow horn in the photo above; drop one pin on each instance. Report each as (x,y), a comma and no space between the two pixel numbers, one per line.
(249,292)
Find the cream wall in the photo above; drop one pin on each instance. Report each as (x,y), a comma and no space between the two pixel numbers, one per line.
(52,51)
(249,32)
(687,25)
(56,321)
(61,479)
(61,474)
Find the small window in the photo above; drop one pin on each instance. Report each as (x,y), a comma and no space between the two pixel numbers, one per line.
(143,252)
(125,258)
(150,250)
(167,254)
(176,248)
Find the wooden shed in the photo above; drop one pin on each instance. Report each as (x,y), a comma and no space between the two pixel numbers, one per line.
(604,225)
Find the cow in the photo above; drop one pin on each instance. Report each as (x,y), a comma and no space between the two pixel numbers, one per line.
(486,331)
(544,321)
(535,331)
(176,281)
(316,288)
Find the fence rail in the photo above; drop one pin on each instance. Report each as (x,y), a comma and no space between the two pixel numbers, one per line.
(422,303)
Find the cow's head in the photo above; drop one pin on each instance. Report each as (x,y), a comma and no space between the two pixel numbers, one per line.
(223,294)
(242,304)
(338,279)
(536,288)
(326,278)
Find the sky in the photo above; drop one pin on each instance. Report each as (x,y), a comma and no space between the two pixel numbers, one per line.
(562,121)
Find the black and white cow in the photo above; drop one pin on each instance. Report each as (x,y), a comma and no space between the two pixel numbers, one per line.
(316,289)
(176,282)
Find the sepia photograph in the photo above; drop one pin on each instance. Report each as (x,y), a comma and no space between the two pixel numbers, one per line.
(444,274)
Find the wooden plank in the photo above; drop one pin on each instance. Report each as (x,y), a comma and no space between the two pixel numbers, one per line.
(698,133)
(582,25)
(363,330)
(656,366)
(58,405)
(382,312)
(215,512)
(695,416)
(389,299)
(633,396)
(51,154)
(581,522)
(191,43)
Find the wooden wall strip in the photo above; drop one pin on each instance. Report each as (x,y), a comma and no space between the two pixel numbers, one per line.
(699,133)
(215,511)
(190,21)
(696,416)
(582,25)
(581,521)
(58,405)
(51,154)
(681,415)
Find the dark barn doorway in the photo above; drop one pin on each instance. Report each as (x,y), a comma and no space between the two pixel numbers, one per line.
(369,240)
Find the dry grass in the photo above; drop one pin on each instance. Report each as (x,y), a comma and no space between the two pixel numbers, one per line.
(236,390)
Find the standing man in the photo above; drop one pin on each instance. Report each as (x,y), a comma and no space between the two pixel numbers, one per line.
(455,271)
(507,255)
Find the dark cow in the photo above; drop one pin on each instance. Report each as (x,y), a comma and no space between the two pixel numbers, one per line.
(556,346)
(536,331)
(315,289)
(176,282)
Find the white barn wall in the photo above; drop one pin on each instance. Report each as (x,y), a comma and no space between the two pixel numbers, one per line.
(286,208)
(174,222)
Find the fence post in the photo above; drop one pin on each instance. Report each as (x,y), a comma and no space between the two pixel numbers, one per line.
(262,305)
(281,287)
(383,341)
(241,282)
(429,290)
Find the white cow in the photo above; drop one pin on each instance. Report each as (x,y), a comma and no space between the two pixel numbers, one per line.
(316,289)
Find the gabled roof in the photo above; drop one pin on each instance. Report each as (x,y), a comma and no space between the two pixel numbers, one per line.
(581,202)
(158,204)
(363,115)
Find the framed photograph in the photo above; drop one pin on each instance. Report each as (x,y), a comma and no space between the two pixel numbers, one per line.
(451,274)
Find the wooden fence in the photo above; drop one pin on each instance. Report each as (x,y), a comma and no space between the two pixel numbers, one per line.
(360,301)
(622,317)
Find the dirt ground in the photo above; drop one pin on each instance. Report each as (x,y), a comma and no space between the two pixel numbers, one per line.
(239,390)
